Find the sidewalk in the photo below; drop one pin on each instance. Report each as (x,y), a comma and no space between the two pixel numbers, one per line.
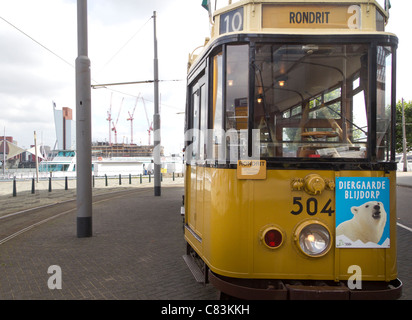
(135,253)
(25,199)
(404,179)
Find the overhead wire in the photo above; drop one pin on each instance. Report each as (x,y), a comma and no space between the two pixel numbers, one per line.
(147,100)
(126,43)
(37,42)
(73,66)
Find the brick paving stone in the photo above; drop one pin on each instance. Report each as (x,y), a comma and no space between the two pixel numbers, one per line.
(135,253)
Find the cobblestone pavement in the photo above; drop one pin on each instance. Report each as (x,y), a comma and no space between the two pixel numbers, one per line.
(135,253)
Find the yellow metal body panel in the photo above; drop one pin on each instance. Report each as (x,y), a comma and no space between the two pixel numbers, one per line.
(225,218)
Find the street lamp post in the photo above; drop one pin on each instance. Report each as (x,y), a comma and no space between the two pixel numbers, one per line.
(83,127)
(156,119)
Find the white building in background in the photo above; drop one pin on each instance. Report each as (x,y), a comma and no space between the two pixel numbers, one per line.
(65,132)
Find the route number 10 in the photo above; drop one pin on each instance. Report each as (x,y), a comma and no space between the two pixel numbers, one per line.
(231,21)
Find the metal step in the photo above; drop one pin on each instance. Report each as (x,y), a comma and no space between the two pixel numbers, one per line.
(194,268)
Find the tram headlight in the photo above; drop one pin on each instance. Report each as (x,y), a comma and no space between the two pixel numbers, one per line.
(313,238)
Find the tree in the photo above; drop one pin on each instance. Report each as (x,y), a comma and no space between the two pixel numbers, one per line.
(408,121)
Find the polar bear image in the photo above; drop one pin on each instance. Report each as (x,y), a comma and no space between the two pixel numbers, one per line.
(367,223)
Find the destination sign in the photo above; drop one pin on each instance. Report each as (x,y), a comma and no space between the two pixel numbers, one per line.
(311,16)
(251,169)
(231,21)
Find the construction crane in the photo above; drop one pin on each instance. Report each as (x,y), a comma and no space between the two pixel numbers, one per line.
(115,125)
(131,118)
(109,118)
(148,122)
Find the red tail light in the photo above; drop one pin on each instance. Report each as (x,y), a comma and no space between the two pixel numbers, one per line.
(273,238)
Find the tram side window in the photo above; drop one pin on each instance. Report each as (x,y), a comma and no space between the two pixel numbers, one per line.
(230,103)
(310,100)
(383,112)
(237,87)
(203,123)
(195,101)
(237,101)
(217,108)
(198,124)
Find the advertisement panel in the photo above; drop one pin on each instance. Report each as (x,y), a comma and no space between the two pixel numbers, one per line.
(362,212)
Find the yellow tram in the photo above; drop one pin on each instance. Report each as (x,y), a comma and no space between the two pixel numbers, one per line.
(290,185)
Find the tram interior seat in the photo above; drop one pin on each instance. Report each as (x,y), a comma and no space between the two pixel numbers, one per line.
(331,130)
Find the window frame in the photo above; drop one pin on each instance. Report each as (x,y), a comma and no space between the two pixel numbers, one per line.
(371,40)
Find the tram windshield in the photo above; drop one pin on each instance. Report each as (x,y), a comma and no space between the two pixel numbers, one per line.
(312,100)
(283,100)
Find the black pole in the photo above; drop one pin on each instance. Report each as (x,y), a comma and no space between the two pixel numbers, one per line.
(33,191)
(66,184)
(14,187)
(50,184)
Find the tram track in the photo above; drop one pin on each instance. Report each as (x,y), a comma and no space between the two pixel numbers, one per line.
(17,223)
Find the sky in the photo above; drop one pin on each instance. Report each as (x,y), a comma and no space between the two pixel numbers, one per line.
(121,50)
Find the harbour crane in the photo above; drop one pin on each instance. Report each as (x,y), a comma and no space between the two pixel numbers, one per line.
(148,122)
(109,118)
(131,118)
(115,125)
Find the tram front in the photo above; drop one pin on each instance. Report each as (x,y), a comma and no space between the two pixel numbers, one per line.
(311,96)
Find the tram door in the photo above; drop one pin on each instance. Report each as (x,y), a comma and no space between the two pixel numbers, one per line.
(197,169)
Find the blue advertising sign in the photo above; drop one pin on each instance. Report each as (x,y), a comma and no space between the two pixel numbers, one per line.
(362,212)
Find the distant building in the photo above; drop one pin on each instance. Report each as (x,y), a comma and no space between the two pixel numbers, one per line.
(63,121)
(105,150)
(17,157)
(10,151)
(5,146)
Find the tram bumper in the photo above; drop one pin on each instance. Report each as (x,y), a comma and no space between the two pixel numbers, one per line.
(265,289)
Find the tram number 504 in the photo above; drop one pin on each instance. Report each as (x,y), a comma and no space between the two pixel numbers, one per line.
(311,207)
(231,21)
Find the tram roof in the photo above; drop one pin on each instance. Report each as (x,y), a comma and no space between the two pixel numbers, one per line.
(256,9)
(240,3)
(297,17)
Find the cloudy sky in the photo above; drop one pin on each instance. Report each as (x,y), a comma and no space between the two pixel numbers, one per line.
(120,50)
